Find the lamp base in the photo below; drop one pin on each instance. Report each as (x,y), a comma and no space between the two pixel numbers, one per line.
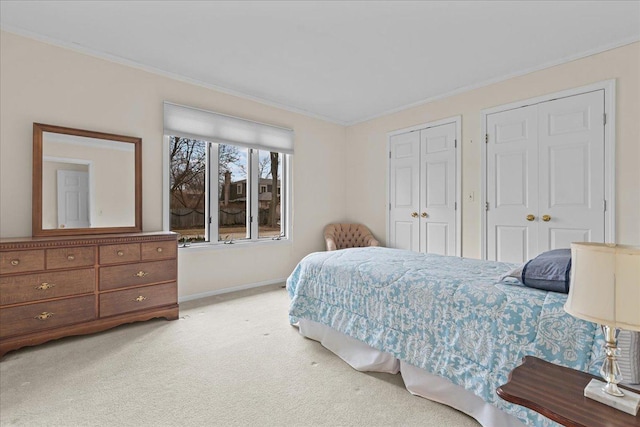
(628,403)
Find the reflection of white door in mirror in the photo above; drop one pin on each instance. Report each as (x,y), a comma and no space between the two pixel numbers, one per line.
(111,193)
(73,199)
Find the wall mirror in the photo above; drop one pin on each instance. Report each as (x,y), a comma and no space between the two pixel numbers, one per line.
(85,182)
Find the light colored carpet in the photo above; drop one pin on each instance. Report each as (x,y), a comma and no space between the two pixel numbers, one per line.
(229,360)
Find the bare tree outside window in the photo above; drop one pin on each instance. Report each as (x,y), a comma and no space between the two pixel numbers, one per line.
(187,186)
(270,168)
(193,189)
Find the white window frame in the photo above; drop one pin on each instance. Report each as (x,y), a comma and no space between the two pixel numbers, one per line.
(239,189)
(212,196)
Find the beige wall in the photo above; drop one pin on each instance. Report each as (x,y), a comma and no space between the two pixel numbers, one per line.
(367,142)
(47,84)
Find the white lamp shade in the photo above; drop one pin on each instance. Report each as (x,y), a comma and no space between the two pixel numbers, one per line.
(605,284)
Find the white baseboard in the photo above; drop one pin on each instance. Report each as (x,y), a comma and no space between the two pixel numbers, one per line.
(231,289)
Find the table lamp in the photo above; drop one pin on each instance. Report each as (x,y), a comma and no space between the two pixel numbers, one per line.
(605,289)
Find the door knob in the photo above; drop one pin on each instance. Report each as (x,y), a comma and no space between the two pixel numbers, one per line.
(414,214)
(546,218)
(424,215)
(531,217)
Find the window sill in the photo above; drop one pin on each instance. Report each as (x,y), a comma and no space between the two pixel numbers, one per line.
(239,244)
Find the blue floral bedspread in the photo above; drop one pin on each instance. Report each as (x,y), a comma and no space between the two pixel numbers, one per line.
(447,315)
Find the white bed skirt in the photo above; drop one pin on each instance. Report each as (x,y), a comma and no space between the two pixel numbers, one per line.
(418,381)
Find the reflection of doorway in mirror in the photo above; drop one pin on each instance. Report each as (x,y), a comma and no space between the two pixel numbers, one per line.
(73,199)
(52,217)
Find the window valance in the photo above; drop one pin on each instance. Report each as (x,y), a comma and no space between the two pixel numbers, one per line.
(194,123)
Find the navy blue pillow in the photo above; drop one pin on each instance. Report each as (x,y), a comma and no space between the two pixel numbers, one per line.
(549,271)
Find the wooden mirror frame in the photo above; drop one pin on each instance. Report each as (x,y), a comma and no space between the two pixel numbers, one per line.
(37,230)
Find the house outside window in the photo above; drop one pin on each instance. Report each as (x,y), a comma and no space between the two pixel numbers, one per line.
(218,191)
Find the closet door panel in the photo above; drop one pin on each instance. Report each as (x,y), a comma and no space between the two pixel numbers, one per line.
(512,184)
(438,189)
(404,181)
(571,148)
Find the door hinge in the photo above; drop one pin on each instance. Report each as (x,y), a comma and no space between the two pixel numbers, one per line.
(251,218)
(604,118)
(486,138)
(486,206)
(210,220)
(455,206)
(455,143)
(389,207)
(604,205)
(389,154)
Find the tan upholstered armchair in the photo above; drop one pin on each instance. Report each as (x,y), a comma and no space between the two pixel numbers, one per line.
(341,236)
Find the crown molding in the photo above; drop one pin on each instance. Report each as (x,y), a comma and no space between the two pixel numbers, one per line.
(130,63)
(133,64)
(499,79)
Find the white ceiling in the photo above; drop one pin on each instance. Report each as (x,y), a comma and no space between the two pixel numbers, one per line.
(342,61)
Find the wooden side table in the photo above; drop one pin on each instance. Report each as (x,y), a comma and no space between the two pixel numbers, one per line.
(557,393)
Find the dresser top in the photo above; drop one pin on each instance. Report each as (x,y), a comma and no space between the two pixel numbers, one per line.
(39,242)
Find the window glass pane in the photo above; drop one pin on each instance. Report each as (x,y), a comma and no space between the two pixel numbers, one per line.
(187,188)
(269,212)
(232,184)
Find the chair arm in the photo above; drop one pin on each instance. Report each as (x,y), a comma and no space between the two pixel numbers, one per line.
(371,241)
(331,243)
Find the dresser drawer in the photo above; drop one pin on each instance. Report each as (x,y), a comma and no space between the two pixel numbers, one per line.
(159,250)
(118,302)
(112,254)
(83,256)
(46,315)
(21,261)
(39,286)
(142,273)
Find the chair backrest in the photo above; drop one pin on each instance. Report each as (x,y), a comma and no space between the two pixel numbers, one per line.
(348,236)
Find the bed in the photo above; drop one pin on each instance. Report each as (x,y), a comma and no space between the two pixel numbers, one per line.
(451,328)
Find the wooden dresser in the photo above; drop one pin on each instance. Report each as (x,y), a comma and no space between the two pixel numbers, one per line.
(56,287)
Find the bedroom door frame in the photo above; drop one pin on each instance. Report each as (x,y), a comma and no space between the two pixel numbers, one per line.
(457,120)
(609,88)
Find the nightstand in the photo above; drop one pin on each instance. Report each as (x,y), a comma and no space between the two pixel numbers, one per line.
(557,393)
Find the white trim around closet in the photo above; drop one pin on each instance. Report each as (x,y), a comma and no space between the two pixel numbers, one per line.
(609,87)
(458,122)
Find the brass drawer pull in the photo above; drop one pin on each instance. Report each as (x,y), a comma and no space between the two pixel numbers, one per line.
(159,249)
(120,253)
(44,315)
(140,298)
(15,262)
(141,273)
(546,218)
(71,257)
(44,286)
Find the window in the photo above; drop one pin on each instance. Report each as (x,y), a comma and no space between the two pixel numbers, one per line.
(203,172)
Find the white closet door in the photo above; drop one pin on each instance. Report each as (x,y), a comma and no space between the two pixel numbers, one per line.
(571,148)
(404,181)
(512,184)
(438,190)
